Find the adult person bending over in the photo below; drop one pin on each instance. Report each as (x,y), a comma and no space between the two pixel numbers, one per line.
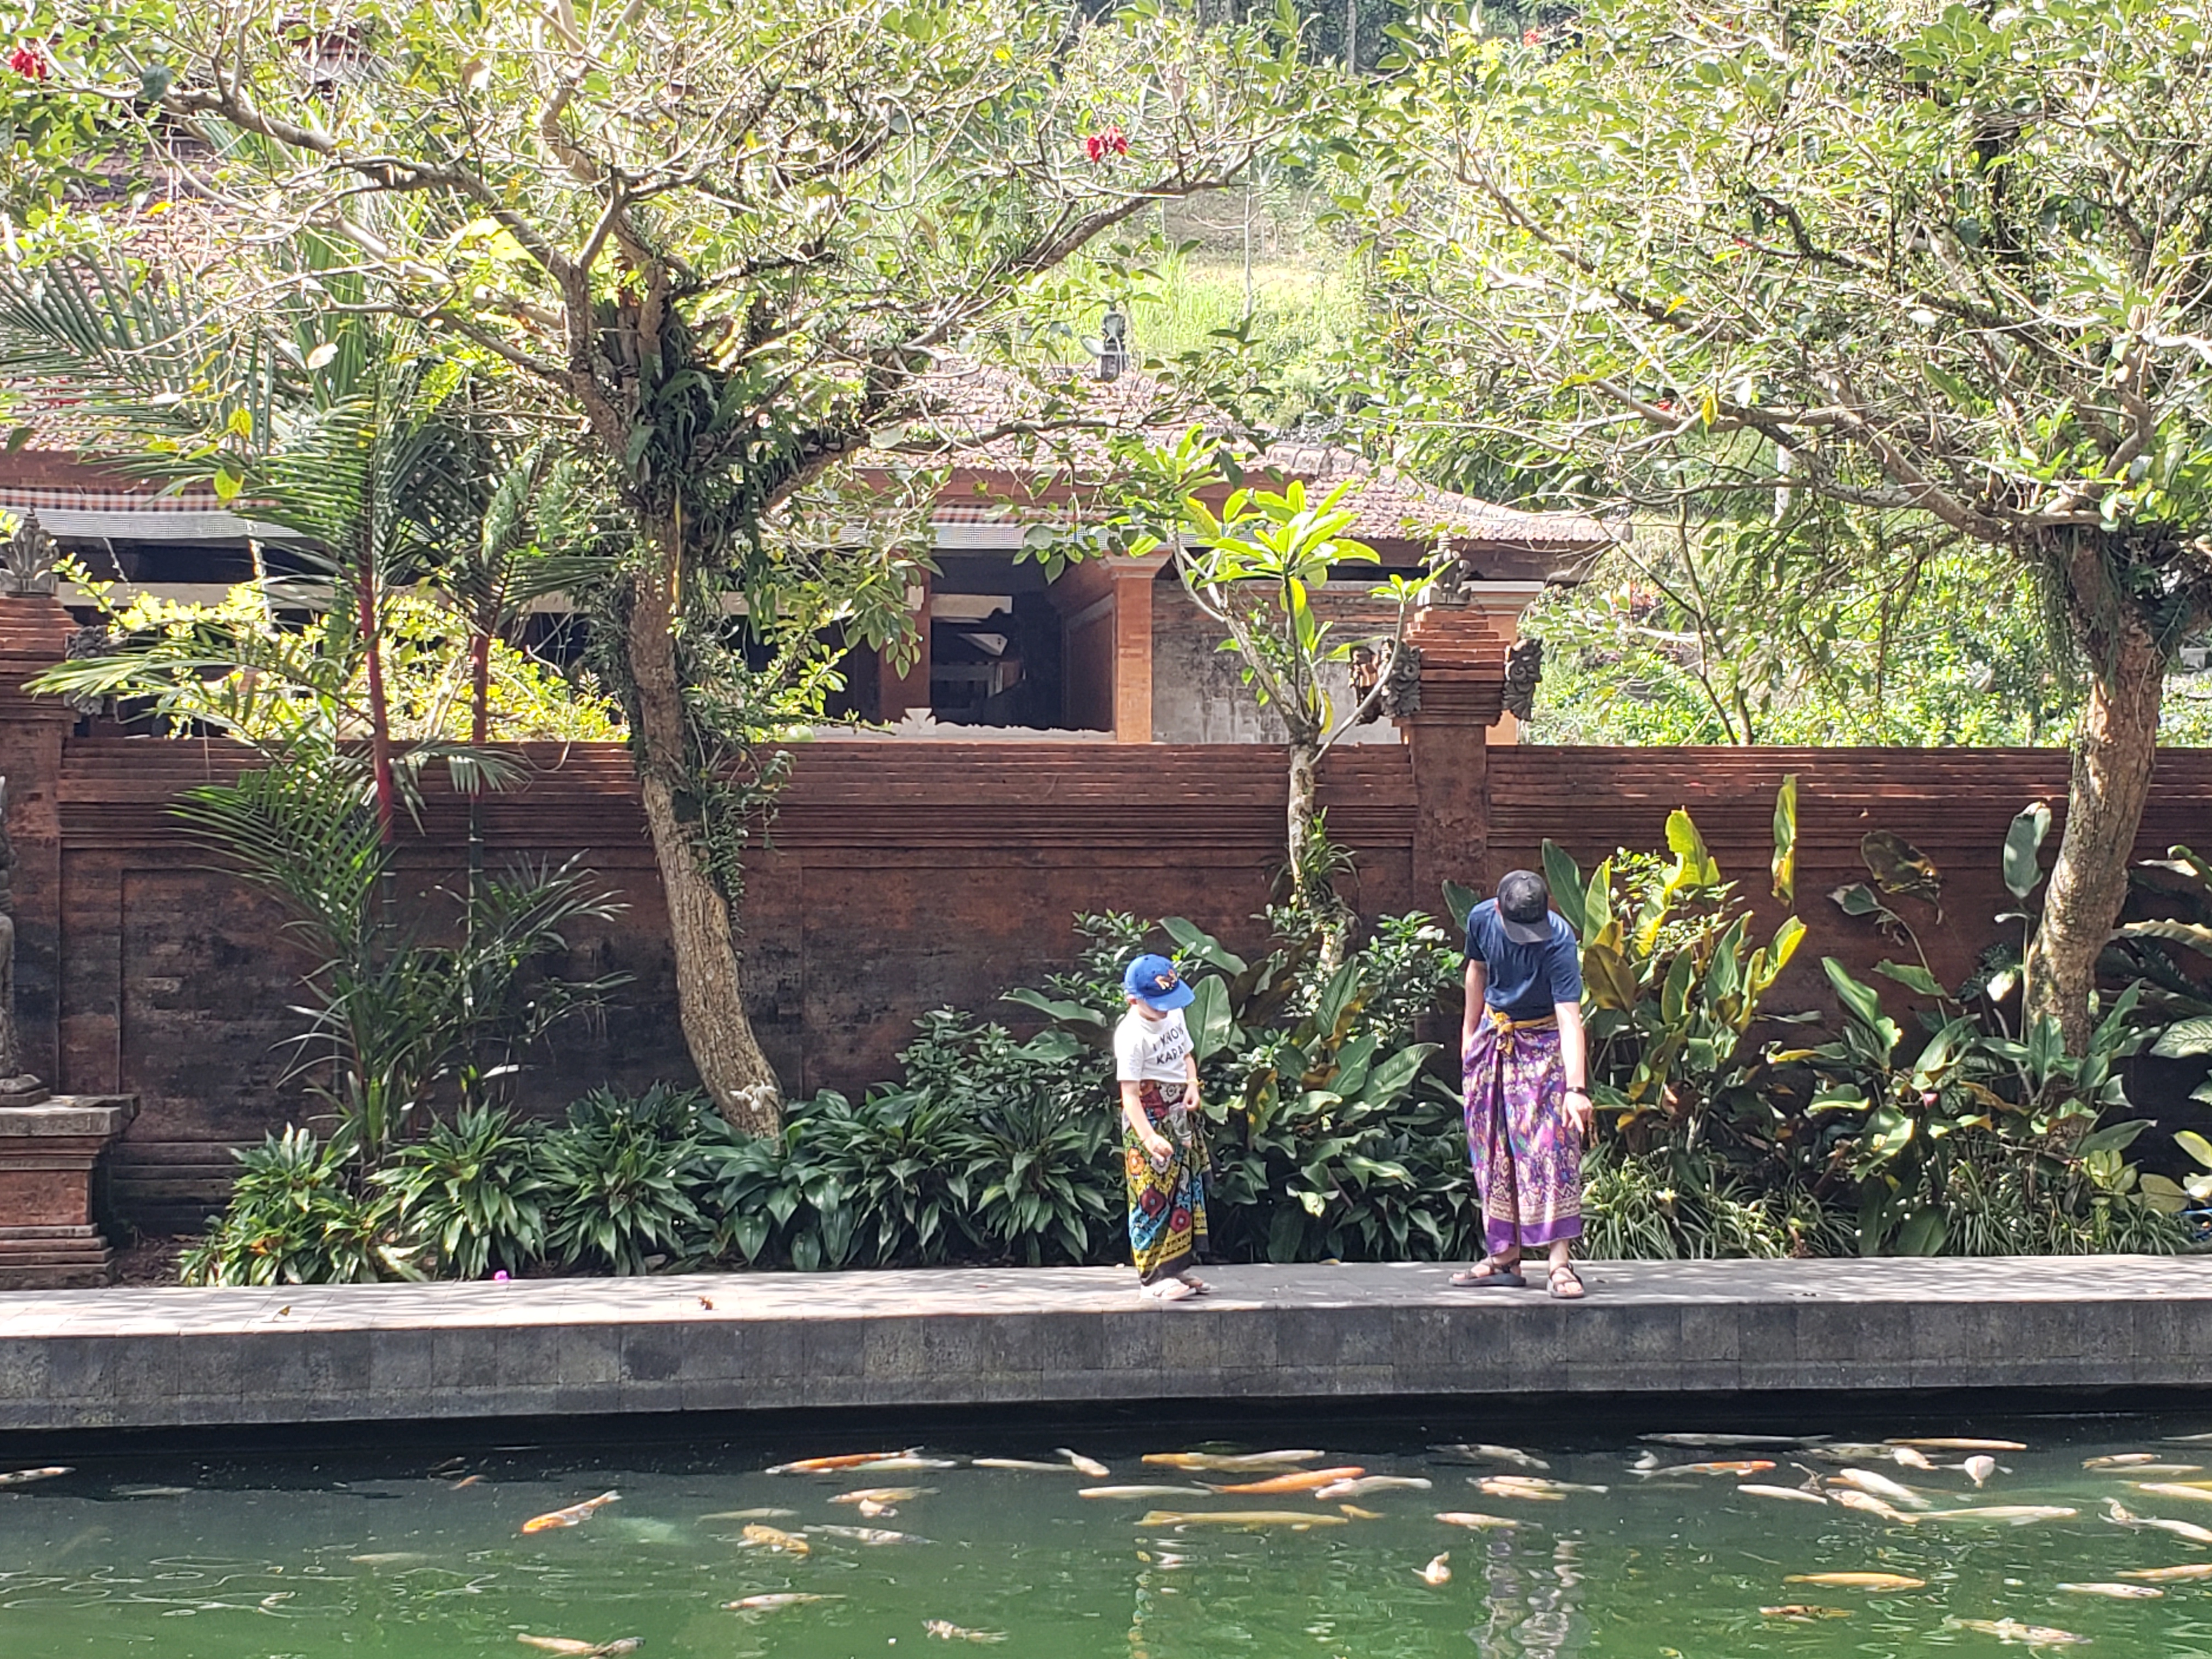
(1527,1070)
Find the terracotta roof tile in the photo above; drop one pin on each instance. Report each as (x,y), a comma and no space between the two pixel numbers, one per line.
(976,403)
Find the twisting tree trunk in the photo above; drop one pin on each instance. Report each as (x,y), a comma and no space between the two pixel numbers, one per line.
(1312,886)
(709,992)
(2113,755)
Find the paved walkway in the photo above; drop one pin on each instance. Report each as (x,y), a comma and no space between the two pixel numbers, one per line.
(158,1357)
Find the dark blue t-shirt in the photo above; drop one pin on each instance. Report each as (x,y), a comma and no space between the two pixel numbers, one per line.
(1525,979)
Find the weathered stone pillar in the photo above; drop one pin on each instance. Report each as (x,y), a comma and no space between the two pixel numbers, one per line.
(1462,678)
(49,1155)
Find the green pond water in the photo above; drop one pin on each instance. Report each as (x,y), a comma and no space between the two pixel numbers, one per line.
(382,1551)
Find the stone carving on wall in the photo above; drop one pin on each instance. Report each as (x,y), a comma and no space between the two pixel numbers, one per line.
(85,643)
(17,1086)
(1524,667)
(1402,686)
(26,560)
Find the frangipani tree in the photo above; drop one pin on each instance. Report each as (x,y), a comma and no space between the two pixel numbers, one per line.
(1252,567)
(723,244)
(1951,261)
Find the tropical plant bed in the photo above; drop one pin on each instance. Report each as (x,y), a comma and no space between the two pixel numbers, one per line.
(1336,1127)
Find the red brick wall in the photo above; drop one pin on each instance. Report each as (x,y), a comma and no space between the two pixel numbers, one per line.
(900,877)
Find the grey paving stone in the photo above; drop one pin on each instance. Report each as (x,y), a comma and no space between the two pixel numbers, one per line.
(146,1358)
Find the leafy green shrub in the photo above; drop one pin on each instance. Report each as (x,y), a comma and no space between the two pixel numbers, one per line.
(1655,1206)
(1041,1148)
(470,1194)
(995,1150)
(623,1178)
(293,1218)
(1322,1144)
(1672,987)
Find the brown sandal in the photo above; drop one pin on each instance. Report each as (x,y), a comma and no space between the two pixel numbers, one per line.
(1489,1273)
(1560,1294)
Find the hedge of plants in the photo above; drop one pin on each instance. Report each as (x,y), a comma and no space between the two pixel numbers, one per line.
(1732,1123)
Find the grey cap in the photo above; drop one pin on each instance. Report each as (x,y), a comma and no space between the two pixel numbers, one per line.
(1524,906)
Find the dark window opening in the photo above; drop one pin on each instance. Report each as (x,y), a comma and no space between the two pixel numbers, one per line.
(1006,666)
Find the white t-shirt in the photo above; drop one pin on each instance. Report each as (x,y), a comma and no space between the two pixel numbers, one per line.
(1151,1050)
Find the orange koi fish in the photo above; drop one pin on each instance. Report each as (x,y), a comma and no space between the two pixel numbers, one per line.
(574,1515)
(1303,1480)
(847,1460)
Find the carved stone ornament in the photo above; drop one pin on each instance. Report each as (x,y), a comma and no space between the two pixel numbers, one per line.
(1448,588)
(17,1086)
(26,560)
(1401,685)
(85,643)
(1524,667)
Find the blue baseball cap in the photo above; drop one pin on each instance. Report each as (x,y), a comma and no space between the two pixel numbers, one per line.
(1154,982)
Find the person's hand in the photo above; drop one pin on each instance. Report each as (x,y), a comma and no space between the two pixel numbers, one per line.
(1159,1149)
(1581,1114)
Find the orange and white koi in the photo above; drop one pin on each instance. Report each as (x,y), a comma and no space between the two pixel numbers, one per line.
(1873,1581)
(2119,1516)
(1882,1486)
(1303,1480)
(758,1537)
(1231,1463)
(1949,1443)
(2011,1630)
(1361,1486)
(831,1465)
(25,1477)
(2195,1569)
(574,1515)
(1868,1504)
(1439,1571)
(2114,1592)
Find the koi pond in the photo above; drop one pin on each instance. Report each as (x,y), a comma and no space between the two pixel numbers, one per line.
(1399,1538)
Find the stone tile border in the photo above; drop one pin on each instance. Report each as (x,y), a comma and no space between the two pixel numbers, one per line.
(134,1358)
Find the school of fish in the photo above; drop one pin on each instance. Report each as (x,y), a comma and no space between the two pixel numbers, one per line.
(1849,1479)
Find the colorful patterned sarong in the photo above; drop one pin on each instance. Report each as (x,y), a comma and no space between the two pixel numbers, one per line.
(1167,1207)
(1527,1159)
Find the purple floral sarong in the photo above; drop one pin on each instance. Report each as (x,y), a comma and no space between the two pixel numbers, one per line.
(1527,1159)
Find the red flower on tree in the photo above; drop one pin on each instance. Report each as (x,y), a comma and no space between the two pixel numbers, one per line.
(1108,140)
(28,62)
(1532,37)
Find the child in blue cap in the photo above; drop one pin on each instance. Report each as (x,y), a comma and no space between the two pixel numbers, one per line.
(1162,1148)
